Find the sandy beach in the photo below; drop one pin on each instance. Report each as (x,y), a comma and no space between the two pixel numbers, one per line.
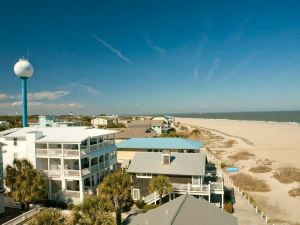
(276,143)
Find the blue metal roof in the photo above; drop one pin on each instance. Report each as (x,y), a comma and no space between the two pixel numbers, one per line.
(160,143)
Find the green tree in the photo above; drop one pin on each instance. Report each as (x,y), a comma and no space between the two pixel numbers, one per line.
(116,189)
(48,217)
(25,182)
(94,211)
(160,184)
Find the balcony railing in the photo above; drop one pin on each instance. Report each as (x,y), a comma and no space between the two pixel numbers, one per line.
(198,189)
(94,147)
(71,152)
(191,189)
(72,173)
(72,194)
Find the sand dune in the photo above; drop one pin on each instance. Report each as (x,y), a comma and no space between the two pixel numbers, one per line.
(277,143)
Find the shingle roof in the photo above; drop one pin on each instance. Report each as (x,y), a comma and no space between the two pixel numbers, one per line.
(160,143)
(185,164)
(185,209)
(138,123)
(135,132)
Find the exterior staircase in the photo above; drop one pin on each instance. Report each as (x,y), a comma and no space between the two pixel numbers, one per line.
(152,198)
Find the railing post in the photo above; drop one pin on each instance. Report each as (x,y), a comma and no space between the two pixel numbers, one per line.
(189,188)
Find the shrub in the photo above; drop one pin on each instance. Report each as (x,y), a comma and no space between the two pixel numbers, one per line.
(261,169)
(249,183)
(140,204)
(56,204)
(228,207)
(48,216)
(241,156)
(148,207)
(295,192)
(287,175)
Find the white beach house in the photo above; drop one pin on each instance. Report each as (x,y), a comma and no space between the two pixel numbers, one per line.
(1,182)
(74,159)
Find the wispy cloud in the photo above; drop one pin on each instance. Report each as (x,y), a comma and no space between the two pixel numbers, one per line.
(47,95)
(4,96)
(37,96)
(196,72)
(157,48)
(117,52)
(239,33)
(215,65)
(241,65)
(81,87)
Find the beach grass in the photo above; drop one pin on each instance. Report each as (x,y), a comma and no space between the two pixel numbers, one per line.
(249,183)
(244,155)
(295,192)
(261,169)
(287,175)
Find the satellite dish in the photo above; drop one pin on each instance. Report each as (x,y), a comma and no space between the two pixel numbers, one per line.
(23,68)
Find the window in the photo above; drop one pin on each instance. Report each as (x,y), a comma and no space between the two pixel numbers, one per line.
(196,180)
(15,141)
(136,194)
(144,175)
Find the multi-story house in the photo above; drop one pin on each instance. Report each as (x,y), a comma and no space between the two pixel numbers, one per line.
(74,159)
(127,149)
(102,121)
(187,173)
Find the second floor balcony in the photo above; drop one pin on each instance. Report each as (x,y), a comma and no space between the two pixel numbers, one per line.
(69,150)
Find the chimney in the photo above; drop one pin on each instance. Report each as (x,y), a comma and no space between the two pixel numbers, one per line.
(166,157)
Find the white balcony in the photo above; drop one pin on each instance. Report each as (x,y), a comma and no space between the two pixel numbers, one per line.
(207,189)
(72,173)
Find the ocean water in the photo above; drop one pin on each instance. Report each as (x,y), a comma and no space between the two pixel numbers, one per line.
(271,116)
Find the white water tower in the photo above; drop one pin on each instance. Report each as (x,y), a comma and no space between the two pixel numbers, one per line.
(24,70)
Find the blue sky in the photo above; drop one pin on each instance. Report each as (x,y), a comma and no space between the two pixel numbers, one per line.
(151,56)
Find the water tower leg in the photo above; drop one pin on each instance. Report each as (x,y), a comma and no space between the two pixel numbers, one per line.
(24,100)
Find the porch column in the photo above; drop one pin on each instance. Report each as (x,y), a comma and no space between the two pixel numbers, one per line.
(170,197)
(81,190)
(222,200)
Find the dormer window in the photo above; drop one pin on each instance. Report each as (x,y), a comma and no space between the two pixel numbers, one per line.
(166,157)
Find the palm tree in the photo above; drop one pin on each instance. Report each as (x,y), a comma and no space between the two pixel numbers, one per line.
(93,210)
(48,217)
(25,182)
(160,184)
(116,189)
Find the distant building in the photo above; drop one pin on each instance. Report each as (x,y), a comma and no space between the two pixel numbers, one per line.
(50,121)
(134,132)
(2,208)
(128,149)
(187,173)
(102,121)
(185,209)
(73,159)
(157,125)
(124,119)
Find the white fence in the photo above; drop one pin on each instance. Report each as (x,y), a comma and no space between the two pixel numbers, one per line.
(20,219)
